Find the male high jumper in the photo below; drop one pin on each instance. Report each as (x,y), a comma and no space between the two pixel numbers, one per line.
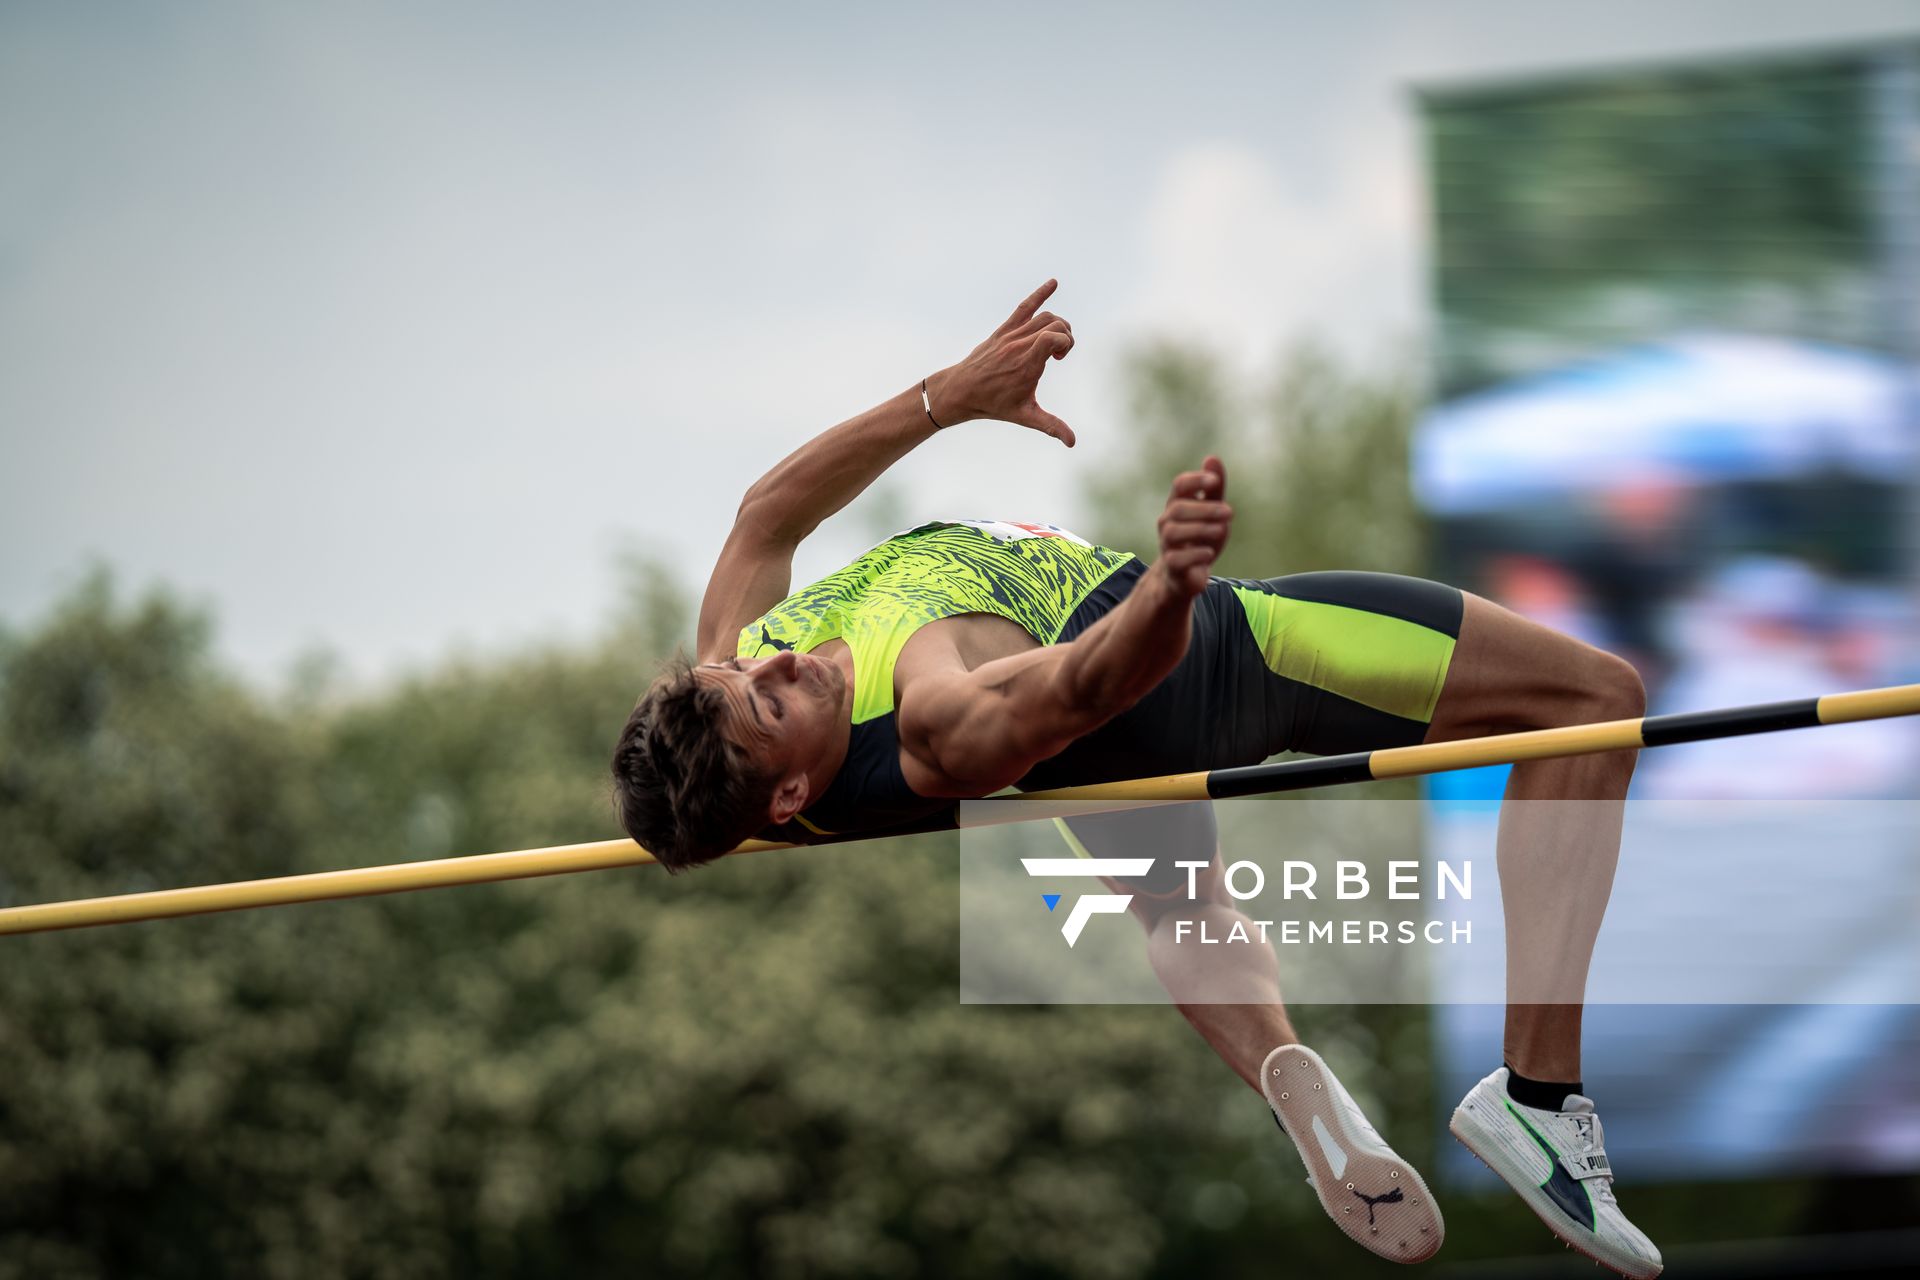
(960,658)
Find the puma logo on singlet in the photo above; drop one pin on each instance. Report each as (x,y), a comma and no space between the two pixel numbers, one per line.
(1392,1197)
(767,639)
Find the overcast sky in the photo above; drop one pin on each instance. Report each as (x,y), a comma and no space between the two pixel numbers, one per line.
(384,329)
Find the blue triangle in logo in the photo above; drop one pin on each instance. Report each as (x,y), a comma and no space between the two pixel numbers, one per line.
(1051,899)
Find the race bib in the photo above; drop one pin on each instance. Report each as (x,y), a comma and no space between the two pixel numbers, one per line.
(1014,530)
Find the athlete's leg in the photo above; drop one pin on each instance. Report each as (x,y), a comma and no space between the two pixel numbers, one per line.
(1363,661)
(1230,993)
(1559,837)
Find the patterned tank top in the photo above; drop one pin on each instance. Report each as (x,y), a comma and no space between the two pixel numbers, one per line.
(1033,575)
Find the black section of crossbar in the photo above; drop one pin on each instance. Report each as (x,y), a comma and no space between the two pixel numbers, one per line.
(1703,726)
(1289,775)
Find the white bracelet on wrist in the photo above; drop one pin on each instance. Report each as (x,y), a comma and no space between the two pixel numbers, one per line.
(927,404)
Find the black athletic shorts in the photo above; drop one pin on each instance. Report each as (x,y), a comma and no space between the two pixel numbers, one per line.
(1322,663)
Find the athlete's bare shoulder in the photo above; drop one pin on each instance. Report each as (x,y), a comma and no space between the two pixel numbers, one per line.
(932,663)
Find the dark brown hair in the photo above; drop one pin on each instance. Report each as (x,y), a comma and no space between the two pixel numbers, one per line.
(684,791)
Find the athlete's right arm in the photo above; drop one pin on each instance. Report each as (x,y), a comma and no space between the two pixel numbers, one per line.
(969,733)
(996,380)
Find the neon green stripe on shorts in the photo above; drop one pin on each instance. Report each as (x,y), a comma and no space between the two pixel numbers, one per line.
(1382,662)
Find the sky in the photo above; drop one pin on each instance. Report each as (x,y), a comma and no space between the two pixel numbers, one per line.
(389,330)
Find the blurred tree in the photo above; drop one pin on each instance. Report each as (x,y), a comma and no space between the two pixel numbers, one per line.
(757,1070)
(1316,461)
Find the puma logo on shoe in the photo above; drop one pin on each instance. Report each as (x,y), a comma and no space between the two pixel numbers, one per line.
(1392,1197)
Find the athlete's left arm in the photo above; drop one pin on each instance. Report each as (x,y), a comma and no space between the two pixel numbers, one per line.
(971,732)
(996,380)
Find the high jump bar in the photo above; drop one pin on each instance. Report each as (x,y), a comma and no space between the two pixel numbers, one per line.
(1215,784)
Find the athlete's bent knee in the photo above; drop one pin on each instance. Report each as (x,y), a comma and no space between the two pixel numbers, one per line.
(1617,691)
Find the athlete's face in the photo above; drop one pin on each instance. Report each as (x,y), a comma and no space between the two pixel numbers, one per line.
(789,711)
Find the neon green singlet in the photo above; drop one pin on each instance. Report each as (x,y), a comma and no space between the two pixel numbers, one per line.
(1033,575)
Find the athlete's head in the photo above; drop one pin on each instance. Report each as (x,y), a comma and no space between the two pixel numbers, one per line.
(713,753)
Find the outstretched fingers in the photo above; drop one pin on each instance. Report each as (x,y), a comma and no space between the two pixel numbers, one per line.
(1032,415)
(1025,311)
(1053,342)
(1000,376)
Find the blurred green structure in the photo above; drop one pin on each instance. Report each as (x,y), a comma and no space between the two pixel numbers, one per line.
(1582,218)
(1771,195)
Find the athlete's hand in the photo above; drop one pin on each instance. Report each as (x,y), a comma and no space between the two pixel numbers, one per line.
(999,377)
(1194,527)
